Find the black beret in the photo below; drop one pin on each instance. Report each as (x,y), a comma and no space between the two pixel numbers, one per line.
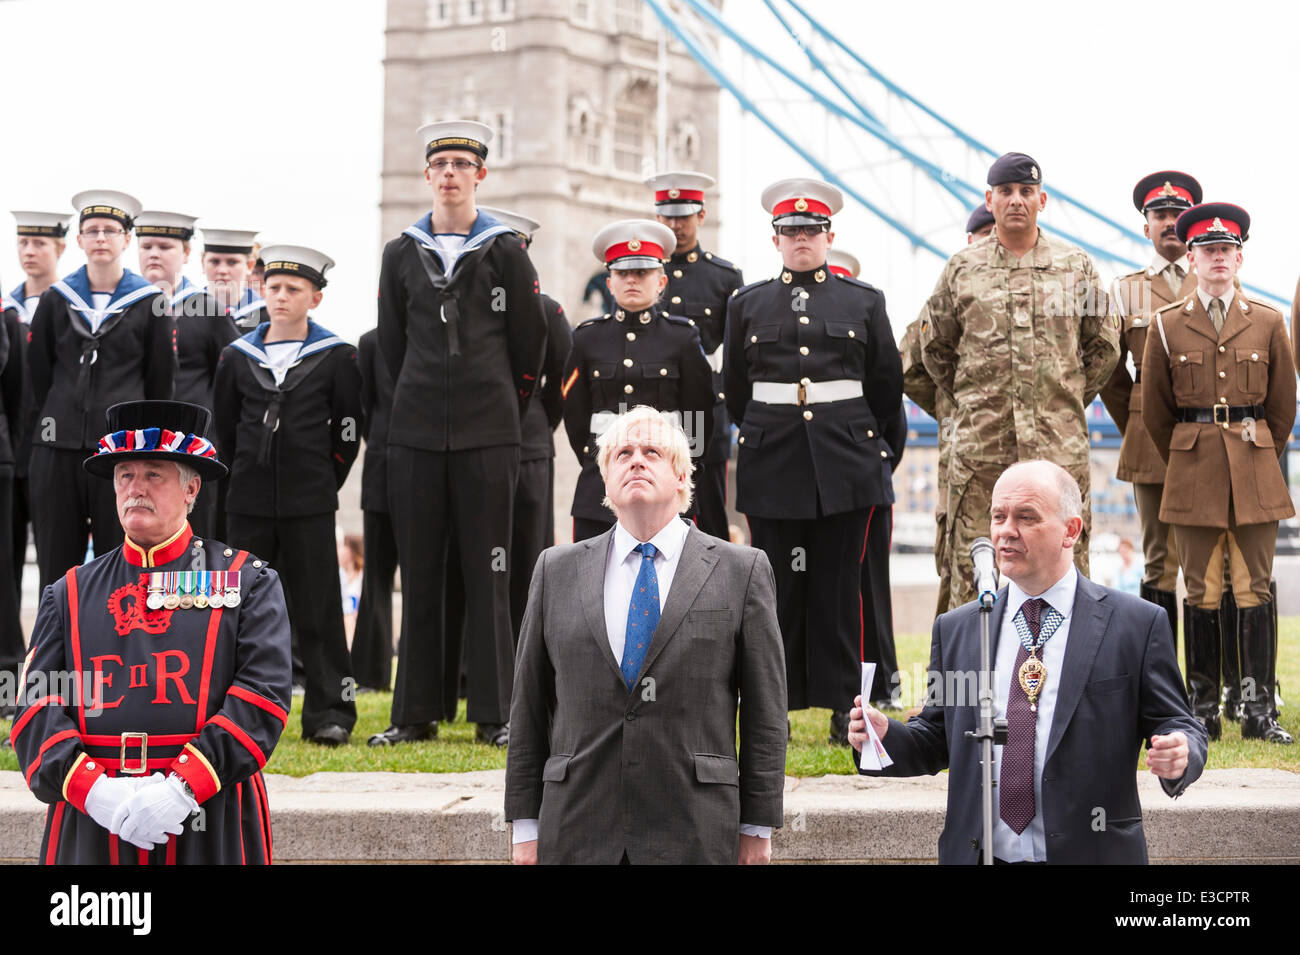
(979,218)
(1015,167)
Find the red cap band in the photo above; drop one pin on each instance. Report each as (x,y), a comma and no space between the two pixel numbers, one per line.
(682,195)
(1217,224)
(624,249)
(801,204)
(1164,191)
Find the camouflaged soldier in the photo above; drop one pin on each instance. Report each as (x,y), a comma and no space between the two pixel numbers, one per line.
(1161,198)
(1017,330)
(920,387)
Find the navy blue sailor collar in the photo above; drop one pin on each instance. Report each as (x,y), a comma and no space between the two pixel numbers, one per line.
(184,291)
(318,339)
(485,227)
(17,300)
(75,288)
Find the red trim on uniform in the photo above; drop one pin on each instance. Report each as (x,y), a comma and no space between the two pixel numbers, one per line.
(265,810)
(568,385)
(239,816)
(152,763)
(113,843)
(243,738)
(52,741)
(155,739)
(1159,193)
(210,650)
(56,824)
(22,721)
(862,654)
(84,774)
(841,271)
(163,553)
(259,701)
(683,195)
(1203,227)
(171,849)
(75,636)
(787,206)
(193,767)
(141,856)
(620,250)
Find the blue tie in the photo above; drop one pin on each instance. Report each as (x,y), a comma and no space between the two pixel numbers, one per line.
(642,616)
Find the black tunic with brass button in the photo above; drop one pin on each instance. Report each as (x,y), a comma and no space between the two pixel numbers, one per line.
(627,359)
(801,462)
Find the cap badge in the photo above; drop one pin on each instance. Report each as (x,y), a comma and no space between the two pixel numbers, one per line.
(1217,225)
(674,193)
(801,205)
(1033,172)
(633,245)
(1168,190)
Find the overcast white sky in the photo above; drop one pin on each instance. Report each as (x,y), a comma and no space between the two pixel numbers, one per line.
(268,115)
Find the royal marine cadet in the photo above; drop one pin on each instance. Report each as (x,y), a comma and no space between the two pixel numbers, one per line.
(641,354)
(100,336)
(1218,398)
(288,418)
(1161,198)
(813,378)
(699,284)
(155,756)
(229,260)
(203,329)
(462,329)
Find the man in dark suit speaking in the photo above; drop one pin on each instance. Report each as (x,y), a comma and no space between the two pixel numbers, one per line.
(1083,675)
(634,649)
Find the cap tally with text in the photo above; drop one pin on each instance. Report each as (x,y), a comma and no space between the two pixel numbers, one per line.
(169,225)
(1015,167)
(634,244)
(513,220)
(843,263)
(1166,190)
(802,202)
(455,134)
(106,204)
(979,217)
(296,260)
(239,241)
(158,430)
(679,193)
(1213,222)
(51,224)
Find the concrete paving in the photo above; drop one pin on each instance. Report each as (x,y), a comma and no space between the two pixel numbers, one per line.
(1228,816)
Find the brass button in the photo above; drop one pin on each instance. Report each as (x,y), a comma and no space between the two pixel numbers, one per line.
(677,273)
(227,552)
(586,449)
(803,319)
(708,311)
(819,275)
(805,382)
(627,362)
(1222,400)
(884,454)
(631,336)
(198,542)
(721,396)
(1222,349)
(803,349)
(620,315)
(183,758)
(627,389)
(257,563)
(692,257)
(1182,358)
(663,371)
(807,416)
(1223,374)
(851,335)
(871,434)
(90,767)
(741,440)
(596,373)
(753,338)
(692,321)
(677,300)
(1254,356)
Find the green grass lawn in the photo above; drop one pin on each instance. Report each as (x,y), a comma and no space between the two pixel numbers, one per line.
(808,755)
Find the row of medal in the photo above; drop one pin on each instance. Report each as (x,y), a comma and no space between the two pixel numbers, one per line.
(186,589)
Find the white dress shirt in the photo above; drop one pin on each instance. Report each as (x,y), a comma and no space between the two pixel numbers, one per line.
(1031,844)
(622,566)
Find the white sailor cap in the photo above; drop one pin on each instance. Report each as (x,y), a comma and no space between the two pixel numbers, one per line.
(634,244)
(679,193)
(296,260)
(455,134)
(843,263)
(106,204)
(52,224)
(228,240)
(513,220)
(170,225)
(802,202)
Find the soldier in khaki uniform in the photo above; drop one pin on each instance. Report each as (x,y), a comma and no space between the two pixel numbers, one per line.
(920,387)
(1161,198)
(1218,392)
(1018,331)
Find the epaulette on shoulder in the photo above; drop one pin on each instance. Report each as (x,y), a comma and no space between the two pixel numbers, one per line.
(1139,274)
(750,287)
(1173,306)
(593,321)
(858,282)
(720,261)
(1259,301)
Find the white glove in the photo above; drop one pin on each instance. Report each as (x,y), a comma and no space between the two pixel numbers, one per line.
(107,800)
(156,810)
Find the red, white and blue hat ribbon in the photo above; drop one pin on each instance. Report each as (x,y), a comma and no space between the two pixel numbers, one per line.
(156,439)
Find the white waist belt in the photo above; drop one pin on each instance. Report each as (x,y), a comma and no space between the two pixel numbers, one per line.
(809,393)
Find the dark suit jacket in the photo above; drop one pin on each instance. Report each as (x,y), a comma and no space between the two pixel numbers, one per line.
(1119,685)
(654,772)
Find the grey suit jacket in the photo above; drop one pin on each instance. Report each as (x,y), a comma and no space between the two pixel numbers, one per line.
(653,772)
(1119,686)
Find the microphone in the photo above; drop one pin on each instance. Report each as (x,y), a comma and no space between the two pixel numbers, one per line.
(986,574)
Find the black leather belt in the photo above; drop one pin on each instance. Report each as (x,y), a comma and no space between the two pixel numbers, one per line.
(1220,414)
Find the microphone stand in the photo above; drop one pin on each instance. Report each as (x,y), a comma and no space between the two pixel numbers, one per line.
(989,731)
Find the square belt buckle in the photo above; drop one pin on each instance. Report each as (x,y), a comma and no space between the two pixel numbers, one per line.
(1215,412)
(143,767)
